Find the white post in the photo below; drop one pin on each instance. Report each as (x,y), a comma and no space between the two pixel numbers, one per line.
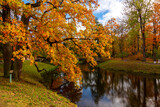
(10,76)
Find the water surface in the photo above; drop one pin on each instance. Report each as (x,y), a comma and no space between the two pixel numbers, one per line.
(113,89)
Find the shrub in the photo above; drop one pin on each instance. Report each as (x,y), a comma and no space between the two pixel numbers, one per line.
(125,54)
(138,56)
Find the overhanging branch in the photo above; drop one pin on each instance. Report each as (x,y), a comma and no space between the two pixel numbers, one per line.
(66,39)
(37,4)
(39,69)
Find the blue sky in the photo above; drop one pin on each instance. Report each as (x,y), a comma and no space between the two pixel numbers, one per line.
(25,1)
(99,15)
(107,10)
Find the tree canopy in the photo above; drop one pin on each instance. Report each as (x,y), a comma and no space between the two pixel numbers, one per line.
(52,26)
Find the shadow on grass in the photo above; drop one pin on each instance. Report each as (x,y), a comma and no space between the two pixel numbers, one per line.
(28,82)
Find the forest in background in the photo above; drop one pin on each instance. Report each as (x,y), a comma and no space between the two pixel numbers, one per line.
(137,34)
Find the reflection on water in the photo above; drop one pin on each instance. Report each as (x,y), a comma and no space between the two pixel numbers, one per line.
(113,89)
(69,90)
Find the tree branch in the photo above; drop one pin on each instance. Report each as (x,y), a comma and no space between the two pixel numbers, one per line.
(54,7)
(45,13)
(39,69)
(75,1)
(35,4)
(66,39)
(76,44)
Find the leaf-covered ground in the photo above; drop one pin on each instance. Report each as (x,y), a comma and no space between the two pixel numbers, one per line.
(29,91)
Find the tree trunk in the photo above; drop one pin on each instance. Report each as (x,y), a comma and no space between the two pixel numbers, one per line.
(154,42)
(7,54)
(138,43)
(135,51)
(18,63)
(17,69)
(142,26)
(7,49)
(153,52)
(144,46)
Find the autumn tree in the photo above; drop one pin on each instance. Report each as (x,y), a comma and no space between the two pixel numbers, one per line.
(122,30)
(111,28)
(134,30)
(5,14)
(141,10)
(134,39)
(47,25)
(153,30)
(14,22)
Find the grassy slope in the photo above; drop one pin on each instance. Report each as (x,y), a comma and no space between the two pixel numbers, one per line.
(30,72)
(131,66)
(29,91)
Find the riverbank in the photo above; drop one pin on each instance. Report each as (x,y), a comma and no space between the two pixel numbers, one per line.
(131,66)
(29,91)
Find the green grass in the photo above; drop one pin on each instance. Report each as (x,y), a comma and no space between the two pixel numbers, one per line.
(30,72)
(29,91)
(131,66)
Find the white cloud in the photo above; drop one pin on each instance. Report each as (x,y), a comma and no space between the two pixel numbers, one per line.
(115,8)
(80,27)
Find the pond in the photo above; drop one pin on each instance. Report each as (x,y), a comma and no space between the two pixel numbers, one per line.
(113,89)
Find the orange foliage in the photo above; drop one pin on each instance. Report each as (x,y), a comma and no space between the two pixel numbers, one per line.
(52,25)
(111,28)
(138,56)
(153,27)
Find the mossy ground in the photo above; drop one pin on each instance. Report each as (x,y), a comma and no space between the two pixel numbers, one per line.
(131,66)
(29,91)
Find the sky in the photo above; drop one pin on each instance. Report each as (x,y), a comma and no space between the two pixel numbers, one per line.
(107,10)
